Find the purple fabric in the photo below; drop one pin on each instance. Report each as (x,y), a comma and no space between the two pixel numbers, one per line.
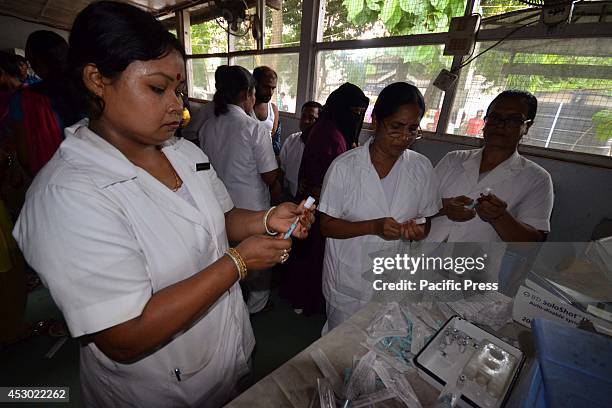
(325,143)
(302,283)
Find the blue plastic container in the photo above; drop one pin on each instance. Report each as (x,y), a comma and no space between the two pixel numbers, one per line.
(573,368)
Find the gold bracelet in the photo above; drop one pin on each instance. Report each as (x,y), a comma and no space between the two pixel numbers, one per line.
(236,264)
(265,221)
(238,261)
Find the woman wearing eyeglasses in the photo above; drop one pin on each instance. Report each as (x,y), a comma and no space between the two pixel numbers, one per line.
(374,193)
(494,193)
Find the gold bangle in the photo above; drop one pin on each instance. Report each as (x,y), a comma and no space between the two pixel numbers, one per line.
(265,221)
(236,264)
(238,261)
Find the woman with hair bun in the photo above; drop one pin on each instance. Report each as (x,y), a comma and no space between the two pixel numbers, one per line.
(240,149)
(129,229)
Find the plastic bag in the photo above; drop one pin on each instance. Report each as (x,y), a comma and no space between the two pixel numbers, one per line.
(389,321)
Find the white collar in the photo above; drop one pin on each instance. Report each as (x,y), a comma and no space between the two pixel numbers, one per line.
(102,161)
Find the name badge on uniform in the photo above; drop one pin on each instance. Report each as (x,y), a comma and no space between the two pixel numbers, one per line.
(202,166)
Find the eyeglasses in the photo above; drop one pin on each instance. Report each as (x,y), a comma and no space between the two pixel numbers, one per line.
(509,122)
(396,131)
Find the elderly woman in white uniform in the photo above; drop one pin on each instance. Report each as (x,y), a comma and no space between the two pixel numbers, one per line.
(519,202)
(374,193)
(240,149)
(129,228)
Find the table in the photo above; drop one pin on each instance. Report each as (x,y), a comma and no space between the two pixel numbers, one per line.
(293,383)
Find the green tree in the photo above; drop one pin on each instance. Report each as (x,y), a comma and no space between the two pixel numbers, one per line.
(603,124)
(208,37)
(403,17)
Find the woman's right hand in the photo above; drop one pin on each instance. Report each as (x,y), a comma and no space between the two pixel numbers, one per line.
(455,209)
(387,228)
(262,252)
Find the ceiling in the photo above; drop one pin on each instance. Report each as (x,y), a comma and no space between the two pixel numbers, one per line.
(61,13)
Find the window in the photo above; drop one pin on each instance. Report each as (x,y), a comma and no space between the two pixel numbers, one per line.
(204,76)
(244,41)
(363,19)
(488,8)
(286,67)
(572,79)
(208,37)
(374,68)
(283,25)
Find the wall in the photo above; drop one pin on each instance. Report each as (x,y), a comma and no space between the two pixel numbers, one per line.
(15,32)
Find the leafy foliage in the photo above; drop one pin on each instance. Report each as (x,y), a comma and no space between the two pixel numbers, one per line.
(207,38)
(603,124)
(403,17)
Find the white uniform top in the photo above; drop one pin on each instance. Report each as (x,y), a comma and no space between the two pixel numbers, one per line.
(525,186)
(105,235)
(268,122)
(198,119)
(352,191)
(290,158)
(240,149)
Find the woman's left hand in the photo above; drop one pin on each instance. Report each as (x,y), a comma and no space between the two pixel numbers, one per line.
(411,231)
(490,207)
(285,214)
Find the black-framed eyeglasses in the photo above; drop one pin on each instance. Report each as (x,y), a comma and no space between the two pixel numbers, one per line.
(514,122)
(395,131)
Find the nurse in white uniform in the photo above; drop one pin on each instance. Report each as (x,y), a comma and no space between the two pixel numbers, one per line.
(520,199)
(373,194)
(128,228)
(240,149)
(199,117)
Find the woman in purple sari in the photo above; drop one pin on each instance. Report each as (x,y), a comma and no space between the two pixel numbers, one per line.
(336,131)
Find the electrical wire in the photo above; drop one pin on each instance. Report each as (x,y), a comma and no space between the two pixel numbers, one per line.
(474,48)
(235,34)
(470,59)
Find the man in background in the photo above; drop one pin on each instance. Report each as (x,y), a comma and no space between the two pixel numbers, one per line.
(475,124)
(291,152)
(264,110)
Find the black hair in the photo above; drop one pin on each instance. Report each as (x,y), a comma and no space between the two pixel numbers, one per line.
(21,59)
(49,48)
(231,83)
(312,104)
(395,95)
(112,35)
(9,64)
(527,97)
(219,74)
(260,72)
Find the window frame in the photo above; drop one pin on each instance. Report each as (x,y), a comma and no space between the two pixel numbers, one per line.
(311,45)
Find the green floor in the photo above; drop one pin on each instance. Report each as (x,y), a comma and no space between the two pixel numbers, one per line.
(280,335)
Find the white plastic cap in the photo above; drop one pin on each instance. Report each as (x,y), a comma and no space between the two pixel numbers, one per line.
(420,221)
(309,202)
